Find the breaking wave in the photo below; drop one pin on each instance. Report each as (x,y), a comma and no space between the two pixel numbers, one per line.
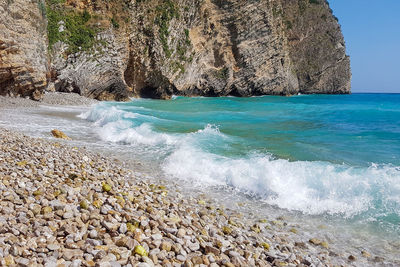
(312,187)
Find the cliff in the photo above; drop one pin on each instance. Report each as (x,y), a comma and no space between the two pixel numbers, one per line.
(156,48)
(23,48)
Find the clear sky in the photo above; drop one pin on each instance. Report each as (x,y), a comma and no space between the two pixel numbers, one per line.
(371,30)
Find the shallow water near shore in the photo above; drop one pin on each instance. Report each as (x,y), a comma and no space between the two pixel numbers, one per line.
(316,160)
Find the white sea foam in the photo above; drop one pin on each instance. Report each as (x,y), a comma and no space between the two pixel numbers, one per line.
(102,115)
(309,187)
(122,132)
(115,125)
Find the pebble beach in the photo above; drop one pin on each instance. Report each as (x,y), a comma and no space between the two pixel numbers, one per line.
(62,205)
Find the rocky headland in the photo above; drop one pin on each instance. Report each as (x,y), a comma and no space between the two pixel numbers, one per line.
(111,50)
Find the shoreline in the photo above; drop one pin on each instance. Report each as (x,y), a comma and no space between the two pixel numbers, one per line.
(173,229)
(49,98)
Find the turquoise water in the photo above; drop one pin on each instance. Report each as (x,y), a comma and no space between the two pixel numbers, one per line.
(329,155)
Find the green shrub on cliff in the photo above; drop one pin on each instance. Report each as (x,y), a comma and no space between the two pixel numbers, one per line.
(222,73)
(55,2)
(114,22)
(69,26)
(165,13)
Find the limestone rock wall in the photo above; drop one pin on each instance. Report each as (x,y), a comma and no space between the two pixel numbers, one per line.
(214,48)
(23,48)
(316,47)
(159,48)
(98,74)
(236,47)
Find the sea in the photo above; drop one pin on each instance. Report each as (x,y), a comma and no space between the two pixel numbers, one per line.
(329,164)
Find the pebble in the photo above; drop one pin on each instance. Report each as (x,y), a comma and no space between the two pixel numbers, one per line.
(62,206)
(166,246)
(68,215)
(213,250)
(51,264)
(53,247)
(181,258)
(22,262)
(157,236)
(352,258)
(193,246)
(93,234)
(123,228)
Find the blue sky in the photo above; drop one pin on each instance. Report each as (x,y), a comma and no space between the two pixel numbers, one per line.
(371,30)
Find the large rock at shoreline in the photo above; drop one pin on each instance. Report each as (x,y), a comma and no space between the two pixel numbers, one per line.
(158,48)
(59,134)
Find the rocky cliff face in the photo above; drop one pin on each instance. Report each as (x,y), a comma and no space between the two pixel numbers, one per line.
(157,48)
(23,48)
(316,47)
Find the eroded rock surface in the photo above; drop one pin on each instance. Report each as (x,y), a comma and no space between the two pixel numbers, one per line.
(23,48)
(159,48)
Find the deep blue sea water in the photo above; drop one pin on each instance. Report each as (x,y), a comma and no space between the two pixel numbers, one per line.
(330,155)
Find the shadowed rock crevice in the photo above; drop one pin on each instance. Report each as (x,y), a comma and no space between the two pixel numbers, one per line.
(6,81)
(135,77)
